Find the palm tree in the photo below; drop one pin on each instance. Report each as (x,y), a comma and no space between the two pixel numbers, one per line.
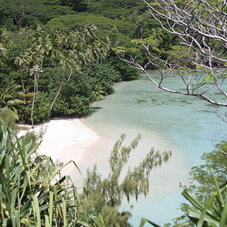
(35,70)
(68,48)
(74,49)
(36,57)
(33,59)
(66,64)
(62,50)
(22,61)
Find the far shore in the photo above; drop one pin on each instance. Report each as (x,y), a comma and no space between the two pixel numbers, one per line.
(63,140)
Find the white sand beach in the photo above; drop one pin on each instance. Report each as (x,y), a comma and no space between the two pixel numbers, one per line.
(70,139)
(64,140)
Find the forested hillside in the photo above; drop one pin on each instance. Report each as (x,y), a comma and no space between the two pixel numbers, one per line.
(57,58)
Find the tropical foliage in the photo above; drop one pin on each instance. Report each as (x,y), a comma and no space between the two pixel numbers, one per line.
(66,37)
(70,49)
(11,98)
(33,193)
(214,212)
(65,48)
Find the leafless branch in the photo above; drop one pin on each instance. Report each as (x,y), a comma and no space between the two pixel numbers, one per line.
(201,27)
(188,20)
(190,90)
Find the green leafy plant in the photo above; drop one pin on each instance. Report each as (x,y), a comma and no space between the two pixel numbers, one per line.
(11,98)
(214,212)
(32,193)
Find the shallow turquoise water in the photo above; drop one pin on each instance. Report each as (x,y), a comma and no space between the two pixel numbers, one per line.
(182,124)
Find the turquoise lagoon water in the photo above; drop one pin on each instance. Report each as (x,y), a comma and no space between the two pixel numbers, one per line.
(185,125)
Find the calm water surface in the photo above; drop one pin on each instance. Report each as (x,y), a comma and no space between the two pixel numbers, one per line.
(167,121)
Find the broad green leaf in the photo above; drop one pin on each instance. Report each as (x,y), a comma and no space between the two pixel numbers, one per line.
(35,205)
(223,222)
(144,220)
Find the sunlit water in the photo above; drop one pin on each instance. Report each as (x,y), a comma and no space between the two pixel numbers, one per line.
(185,125)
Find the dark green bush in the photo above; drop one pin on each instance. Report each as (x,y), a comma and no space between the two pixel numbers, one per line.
(41,109)
(126,72)
(102,78)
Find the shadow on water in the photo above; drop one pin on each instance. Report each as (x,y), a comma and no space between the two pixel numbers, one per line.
(94,110)
(141,101)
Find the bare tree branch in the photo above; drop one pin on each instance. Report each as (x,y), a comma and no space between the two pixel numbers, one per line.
(201,28)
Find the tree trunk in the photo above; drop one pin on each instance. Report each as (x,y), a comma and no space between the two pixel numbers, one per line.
(70,74)
(58,92)
(33,100)
(22,80)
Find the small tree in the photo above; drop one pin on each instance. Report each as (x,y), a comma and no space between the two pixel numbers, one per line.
(106,194)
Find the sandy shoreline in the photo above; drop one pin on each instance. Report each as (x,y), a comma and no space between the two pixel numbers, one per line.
(64,140)
(72,139)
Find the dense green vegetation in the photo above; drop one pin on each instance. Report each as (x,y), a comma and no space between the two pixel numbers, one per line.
(56,58)
(18,14)
(45,45)
(48,58)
